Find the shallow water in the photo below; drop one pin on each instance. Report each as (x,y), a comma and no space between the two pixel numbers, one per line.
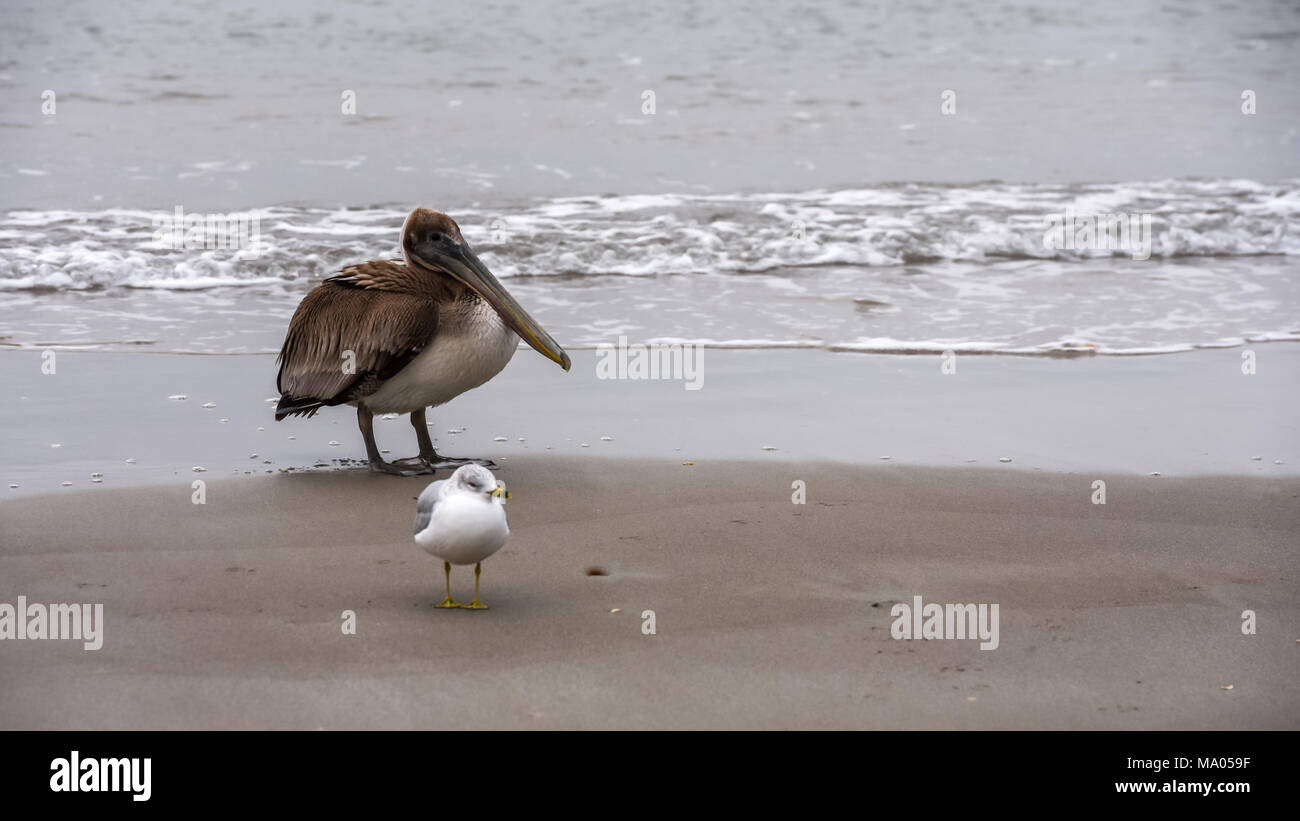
(906,268)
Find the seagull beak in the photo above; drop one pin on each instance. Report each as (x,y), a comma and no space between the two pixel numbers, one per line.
(460,262)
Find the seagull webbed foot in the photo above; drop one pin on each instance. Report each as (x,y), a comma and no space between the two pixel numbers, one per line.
(476,604)
(447,602)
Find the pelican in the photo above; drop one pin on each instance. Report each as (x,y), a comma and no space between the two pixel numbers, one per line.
(399,336)
(462,520)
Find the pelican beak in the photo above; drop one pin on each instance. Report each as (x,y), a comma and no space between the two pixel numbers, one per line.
(460,262)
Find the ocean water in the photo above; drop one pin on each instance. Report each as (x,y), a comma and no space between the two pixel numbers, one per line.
(906,268)
(796,184)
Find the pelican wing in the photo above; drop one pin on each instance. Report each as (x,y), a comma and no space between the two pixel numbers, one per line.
(347,338)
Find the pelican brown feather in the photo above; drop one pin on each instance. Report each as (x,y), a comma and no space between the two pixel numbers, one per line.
(401,335)
(374,318)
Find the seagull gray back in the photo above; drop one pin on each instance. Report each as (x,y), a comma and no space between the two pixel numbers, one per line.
(426,503)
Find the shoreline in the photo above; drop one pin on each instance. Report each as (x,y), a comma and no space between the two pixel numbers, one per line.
(1193,415)
(723,345)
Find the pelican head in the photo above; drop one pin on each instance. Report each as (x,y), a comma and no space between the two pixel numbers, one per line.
(432,242)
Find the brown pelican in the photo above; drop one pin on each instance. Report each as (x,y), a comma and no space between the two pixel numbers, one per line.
(397,336)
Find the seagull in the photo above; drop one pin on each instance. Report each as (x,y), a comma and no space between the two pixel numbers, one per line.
(462,520)
(399,336)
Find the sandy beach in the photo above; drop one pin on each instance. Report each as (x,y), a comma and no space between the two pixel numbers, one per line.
(768,614)
(981,321)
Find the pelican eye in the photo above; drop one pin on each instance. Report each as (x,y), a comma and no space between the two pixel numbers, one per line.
(435,237)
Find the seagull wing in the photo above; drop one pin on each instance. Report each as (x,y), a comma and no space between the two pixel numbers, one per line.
(426,503)
(349,336)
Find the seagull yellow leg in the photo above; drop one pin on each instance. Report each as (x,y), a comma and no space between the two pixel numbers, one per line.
(447,602)
(476,604)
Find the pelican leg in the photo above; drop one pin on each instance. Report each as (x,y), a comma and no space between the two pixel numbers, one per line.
(418,422)
(447,602)
(366,421)
(476,604)
(429,457)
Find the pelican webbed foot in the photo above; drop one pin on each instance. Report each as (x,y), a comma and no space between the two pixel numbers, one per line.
(436,461)
(414,466)
(395,468)
(366,421)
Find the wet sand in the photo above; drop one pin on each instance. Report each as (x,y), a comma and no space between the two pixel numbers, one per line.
(767,613)
(1185,414)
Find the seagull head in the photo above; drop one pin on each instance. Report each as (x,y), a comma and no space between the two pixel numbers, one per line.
(478,479)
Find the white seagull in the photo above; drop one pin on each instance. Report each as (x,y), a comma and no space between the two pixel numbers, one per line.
(462,520)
